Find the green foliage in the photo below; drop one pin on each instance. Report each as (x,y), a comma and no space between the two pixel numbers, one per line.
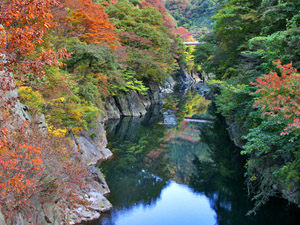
(193,14)
(146,40)
(131,83)
(249,36)
(274,161)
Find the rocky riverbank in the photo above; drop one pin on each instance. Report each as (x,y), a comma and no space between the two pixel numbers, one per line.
(91,144)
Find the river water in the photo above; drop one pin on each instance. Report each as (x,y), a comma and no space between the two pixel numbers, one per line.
(189,174)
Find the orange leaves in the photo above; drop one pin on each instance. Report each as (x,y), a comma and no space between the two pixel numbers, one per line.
(30,19)
(19,165)
(90,23)
(26,22)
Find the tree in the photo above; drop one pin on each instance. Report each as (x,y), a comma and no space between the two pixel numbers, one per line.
(26,23)
(278,96)
(87,21)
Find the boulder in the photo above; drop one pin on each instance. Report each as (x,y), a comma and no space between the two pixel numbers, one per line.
(170,119)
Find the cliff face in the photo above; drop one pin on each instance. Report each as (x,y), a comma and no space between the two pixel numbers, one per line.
(136,104)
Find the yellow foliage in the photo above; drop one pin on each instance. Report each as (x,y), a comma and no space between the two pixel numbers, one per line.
(33,99)
(57,132)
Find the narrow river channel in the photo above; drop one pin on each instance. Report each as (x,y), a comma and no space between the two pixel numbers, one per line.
(189,174)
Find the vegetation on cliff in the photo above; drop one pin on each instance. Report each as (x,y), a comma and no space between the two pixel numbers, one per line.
(253,51)
(65,58)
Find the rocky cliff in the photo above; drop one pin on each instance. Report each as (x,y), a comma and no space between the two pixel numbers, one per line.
(91,144)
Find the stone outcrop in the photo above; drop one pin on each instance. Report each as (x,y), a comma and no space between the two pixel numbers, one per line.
(135,104)
(235,133)
(42,214)
(184,76)
(91,144)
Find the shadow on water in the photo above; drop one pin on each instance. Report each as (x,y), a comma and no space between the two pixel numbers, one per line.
(190,174)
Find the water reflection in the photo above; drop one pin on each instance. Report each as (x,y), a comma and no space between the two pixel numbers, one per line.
(177,205)
(187,175)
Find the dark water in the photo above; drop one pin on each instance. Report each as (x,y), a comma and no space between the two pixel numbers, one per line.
(188,175)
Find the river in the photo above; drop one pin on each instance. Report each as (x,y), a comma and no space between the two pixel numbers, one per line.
(189,174)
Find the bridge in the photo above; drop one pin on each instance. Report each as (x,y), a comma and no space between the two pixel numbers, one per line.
(193,43)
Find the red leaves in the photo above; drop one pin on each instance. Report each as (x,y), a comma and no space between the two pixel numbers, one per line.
(32,164)
(19,165)
(279,95)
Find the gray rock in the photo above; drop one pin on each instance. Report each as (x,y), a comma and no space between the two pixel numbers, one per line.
(146,99)
(99,202)
(20,219)
(201,89)
(123,105)
(111,109)
(40,120)
(82,214)
(106,154)
(92,145)
(184,76)
(235,133)
(2,220)
(170,119)
(96,134)
(131,104)
(135,103)
(89,152)
(168,86)
(156,95)
(38,216)
(52,214)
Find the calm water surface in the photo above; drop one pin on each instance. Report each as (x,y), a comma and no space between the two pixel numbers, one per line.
(190,174)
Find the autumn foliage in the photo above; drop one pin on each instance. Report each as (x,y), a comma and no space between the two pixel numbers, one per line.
(32,162)
(25,22)
(24,25)
(20,167)
(36,164)
(89,22)
(279,95)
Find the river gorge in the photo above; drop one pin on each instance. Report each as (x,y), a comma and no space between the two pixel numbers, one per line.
(190,173)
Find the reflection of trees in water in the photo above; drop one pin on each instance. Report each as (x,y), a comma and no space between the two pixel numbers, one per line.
(130,173)
(222,181)
(181,155)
